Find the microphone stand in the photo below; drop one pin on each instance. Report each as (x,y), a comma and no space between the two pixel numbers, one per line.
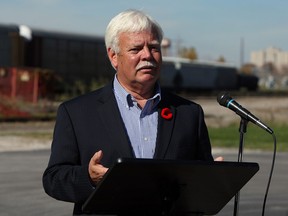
(242,131)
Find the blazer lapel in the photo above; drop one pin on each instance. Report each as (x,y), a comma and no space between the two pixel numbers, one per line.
(165,129)
(112,121)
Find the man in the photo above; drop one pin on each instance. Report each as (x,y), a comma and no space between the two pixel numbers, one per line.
(130,117)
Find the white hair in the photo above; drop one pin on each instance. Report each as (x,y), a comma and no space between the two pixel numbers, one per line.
(130,21)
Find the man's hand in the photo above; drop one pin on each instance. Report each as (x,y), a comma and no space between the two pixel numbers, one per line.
(219,159)
(95,169)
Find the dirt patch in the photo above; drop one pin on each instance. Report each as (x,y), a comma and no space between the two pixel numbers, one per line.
(25,136)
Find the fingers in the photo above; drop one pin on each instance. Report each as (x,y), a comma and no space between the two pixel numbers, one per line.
(219,159)
(95,169)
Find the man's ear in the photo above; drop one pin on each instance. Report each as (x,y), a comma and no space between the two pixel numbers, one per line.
(113,57)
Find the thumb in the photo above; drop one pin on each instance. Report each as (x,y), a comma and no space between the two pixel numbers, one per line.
(97,157)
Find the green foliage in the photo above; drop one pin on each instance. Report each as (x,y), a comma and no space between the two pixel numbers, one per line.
(254,138)
(189,53)
(98,83)
(221,59)
(81,87)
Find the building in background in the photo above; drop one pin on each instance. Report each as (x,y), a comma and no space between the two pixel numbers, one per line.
(271,66)
(272,55)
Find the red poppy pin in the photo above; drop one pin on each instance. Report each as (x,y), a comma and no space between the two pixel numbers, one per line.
(166,113)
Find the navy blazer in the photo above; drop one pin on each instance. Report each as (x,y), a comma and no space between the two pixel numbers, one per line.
(93,122)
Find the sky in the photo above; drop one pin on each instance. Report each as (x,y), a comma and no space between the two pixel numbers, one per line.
(213,27)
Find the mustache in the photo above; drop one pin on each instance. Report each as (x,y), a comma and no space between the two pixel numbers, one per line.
(146,64)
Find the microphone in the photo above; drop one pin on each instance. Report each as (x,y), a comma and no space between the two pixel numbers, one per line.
(225,100)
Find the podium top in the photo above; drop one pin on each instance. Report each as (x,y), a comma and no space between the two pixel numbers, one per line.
(152,186)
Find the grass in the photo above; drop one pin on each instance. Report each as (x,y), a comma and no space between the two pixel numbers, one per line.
(254,138)
(226,137)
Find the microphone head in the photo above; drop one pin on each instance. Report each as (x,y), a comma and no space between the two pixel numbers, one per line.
(223,98)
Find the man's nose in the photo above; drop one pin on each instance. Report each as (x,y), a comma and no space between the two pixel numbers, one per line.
(147,54)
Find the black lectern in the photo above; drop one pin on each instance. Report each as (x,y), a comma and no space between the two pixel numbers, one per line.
(168,187)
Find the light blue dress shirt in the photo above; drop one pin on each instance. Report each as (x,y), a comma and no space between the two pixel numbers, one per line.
(141,124)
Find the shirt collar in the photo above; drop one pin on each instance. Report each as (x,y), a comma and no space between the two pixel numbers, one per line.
(127,99)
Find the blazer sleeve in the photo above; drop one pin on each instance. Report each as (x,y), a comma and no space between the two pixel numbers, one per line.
(65,178)
(204,147)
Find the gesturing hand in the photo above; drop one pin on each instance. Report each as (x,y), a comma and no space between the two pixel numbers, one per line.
(95,169)
(219,159)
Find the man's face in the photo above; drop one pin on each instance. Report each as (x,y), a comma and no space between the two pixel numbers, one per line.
(139,59)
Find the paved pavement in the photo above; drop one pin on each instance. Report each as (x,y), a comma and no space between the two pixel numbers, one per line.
(21,190)
(252,195)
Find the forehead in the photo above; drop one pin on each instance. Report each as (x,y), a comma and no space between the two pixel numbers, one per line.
(138,37)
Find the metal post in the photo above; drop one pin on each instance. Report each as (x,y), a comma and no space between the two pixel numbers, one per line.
(242,131)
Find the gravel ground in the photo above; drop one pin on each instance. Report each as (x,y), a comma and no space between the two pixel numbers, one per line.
(25,136)
(21,136)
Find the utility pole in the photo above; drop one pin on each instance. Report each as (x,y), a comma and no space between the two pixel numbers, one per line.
(242,44)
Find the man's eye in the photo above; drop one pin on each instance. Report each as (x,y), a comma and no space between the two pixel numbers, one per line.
(135,49)
(155,48)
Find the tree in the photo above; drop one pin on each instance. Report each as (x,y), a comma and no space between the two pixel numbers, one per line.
(270,67)
(247,68)
(189,53)
(221,59)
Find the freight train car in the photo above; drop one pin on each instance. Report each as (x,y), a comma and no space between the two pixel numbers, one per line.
(185,74)
(7,42)
(82,58)
(72,56)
